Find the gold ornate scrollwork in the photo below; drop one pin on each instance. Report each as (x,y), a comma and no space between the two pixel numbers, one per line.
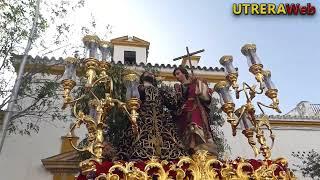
(229,172)
(245,174)
(200,166)
(154,163)
(128,170)
(87,166)
(102,177)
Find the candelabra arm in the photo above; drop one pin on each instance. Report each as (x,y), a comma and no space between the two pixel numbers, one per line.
(94,95)
(239,113)
(76,124)
(264,121)
(109,79)
(91,125)
(252,91)
(248,133)
(120,104)
(75,110)
(253,88)
(272,106)
(126,109)
(82,118)
(80,149)
(110,86)
(272,94)
(132,117)
(75,113)
(75,100)
(242,110)
(261,104)
(123,106)
(261,88)
(69,136)
(244,89)
(99,80)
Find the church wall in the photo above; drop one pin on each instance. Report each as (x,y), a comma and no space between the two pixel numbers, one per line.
(288,140)
(118,53)
(21,155)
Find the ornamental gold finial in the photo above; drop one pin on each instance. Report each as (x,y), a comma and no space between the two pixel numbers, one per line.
(68,79)
(222,88)
(272,91)
(232,74)
(91,66)
(255,65)
(132,95)
(245,50)
(68,85)
(256,69)
(133,105)
(104,67)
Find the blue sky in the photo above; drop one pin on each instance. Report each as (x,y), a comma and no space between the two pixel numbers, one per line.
(288,46)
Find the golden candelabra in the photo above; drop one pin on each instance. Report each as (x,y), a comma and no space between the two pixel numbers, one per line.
(253,126)
(96,72)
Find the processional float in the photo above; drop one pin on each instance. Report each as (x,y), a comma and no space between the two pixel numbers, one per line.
(200,165)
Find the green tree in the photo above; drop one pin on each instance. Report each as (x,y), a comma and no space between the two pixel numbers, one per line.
(310,163)
(32,27)
(216,120)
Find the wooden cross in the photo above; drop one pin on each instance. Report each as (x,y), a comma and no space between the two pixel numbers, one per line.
(188,55)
